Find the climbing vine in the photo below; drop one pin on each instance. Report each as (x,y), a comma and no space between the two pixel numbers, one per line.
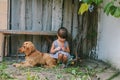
(110,8)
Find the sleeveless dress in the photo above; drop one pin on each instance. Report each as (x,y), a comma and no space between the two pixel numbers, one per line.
(56,44)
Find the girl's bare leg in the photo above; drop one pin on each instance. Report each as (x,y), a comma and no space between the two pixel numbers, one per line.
(60,58)
(64,59)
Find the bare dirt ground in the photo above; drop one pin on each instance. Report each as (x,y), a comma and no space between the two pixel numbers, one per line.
(85,70)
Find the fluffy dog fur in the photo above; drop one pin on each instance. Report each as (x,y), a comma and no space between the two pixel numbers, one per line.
(34,57)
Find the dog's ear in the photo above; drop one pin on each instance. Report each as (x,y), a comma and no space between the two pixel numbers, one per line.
(32,48)
(29,49)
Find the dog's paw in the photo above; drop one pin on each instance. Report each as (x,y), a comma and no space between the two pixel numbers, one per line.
(16,65)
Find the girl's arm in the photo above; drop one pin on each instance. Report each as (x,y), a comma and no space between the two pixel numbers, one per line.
(67,49)
(53,49)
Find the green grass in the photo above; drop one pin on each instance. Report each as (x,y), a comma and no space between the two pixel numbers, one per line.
(75,72)
(82,73)
(3,75)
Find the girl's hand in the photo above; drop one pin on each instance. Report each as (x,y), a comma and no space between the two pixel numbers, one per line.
(63,48)
(57,49)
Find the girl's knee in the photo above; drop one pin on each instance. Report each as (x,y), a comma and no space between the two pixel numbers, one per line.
(60,55)
(65,57)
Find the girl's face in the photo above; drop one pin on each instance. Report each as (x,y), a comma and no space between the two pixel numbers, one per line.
(61,39)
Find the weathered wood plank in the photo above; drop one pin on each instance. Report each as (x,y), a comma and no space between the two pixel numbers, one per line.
(20,39)
(3,24)
(47,15)
(34,15)
(57,14)
(75,18)
(84,37)
(1,46)
(47,22)
(28,20)
(26,32)
(67,14)
(15,16)
(22,15)
(15,23)
(36,26)
(28,15)
(39,15)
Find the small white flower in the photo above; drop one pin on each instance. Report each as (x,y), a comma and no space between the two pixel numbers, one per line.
(91,8)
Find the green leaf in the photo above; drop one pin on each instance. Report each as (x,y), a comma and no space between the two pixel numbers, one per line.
(59,76)
(117,12)
(97,1)
(112,10)
(87,1)
(74,72)
(107,7)
(84,7)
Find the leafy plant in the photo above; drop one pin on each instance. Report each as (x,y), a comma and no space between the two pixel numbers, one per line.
(97,2)
(117,12)
(84,7)
(88,5)
(110,8)
(59,76)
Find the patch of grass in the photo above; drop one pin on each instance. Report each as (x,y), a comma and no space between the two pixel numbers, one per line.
(81,73)
(77,73)
(3,75)
(32,77)
(59,76)
(3,66)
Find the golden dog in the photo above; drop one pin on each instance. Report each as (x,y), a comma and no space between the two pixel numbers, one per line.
(34,57)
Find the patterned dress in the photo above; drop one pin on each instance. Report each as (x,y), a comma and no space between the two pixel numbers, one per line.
(56,44)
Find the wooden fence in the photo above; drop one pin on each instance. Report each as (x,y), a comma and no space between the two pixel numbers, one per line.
(49,15)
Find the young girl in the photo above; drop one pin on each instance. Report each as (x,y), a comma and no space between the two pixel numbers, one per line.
(60,47)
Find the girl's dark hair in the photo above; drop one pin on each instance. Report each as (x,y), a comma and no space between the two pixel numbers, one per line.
(62,32)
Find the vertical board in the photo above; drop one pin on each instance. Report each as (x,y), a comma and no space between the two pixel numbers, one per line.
(47,22)
(67,14)
(34,15)
(75,18)
(3,14)
(57,14)
(39,15)
(22,15)
(85,26)
(1,46)
(15,24)
(28,15)
(28,19)
(18,23)
(35,27)
(74,28)
(15,14)
(3,23)
(47,15)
